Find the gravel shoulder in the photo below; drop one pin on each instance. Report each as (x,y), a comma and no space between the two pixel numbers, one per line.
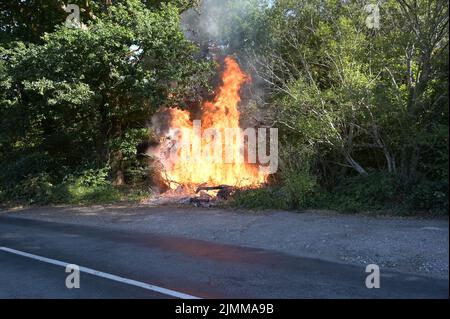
(406,244)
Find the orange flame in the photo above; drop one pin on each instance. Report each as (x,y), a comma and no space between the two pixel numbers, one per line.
(219,114)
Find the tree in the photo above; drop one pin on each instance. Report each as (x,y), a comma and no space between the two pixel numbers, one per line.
(81,93)
(29,20)
(370,97)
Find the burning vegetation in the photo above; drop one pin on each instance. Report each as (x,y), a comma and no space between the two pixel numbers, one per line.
(212,155)
(361,107)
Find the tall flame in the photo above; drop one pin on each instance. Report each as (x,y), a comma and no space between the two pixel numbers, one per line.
(221,113)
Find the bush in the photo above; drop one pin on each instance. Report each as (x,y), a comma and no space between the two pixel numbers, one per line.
(137,174)
(382,191)
(260,198)
(87,186)
(297,188)
(90,177)
(293,193)
(32,189)
(75,193)
(429,195)
(22,168)
(373,192)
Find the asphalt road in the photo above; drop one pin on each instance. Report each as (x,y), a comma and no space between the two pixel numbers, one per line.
(195,267)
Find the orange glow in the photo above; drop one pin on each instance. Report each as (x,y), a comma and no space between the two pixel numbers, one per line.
(221,113)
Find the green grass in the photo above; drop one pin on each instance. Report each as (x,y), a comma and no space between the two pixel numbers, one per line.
(376,194)
(259,198)
(78,194)
(75,194)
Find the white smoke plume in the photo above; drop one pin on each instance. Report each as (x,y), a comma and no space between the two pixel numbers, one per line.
(212,20)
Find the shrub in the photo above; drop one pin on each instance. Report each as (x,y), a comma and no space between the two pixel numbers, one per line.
(84,187)
(293,193)
(75,193)
(32,189)
(372,192)
(138,174)
(260,198)
(92,177)
(297,188)
(429,195)
(22,168)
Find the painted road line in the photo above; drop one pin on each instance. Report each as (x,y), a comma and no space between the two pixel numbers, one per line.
(102,274)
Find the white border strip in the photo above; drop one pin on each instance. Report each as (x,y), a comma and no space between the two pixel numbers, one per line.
(97,273)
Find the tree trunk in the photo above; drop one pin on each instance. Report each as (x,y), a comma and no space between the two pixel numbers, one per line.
(409,163)
(413,164)
(117,168)
(390,160)
(117,157)
(355,165)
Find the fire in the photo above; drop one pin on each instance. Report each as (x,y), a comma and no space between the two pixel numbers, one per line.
(221,113)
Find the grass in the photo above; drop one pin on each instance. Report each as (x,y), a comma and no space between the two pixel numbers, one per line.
(343,200)
(74,194)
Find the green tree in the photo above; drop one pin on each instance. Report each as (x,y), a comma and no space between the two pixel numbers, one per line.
(77,95)
(362,99)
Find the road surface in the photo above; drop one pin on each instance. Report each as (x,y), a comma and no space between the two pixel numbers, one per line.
(191,267)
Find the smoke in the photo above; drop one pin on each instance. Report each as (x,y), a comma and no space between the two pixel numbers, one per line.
(216,20)
(223,27)
(160,122)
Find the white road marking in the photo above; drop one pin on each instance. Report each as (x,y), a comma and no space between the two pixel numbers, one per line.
(102,274)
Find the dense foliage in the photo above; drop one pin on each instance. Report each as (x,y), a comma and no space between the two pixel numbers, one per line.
(76,99)
(362,112)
